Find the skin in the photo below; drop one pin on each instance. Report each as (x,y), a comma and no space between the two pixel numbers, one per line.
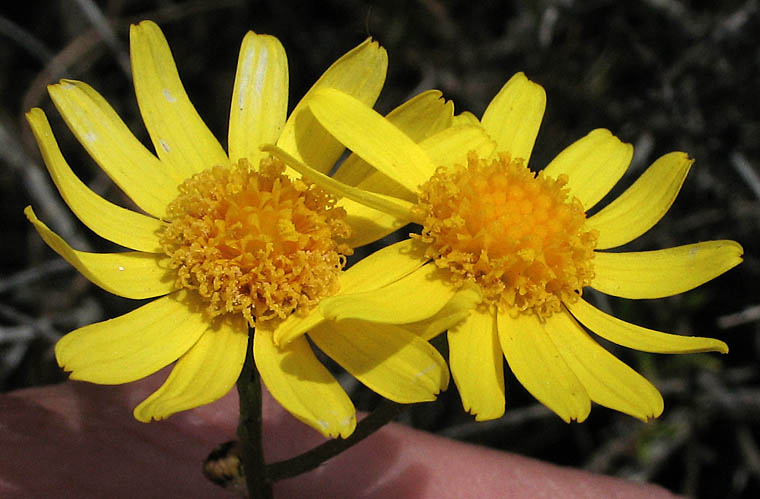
(80,439)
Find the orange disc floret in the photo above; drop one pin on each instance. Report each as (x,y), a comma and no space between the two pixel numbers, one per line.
(255,242)
(513,232)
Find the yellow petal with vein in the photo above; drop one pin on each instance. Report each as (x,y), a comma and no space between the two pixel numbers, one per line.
(593,165)
(296,325)
(540,368)
(134,345)
(388,359)
(367,224)
(374,271)
(130,274)
(514,116)
(119,225)
(205,373)
(643,204)
(423,115)
(150,183)
(387,204)
(179,135)
(665,272)
(466,118)
(451,146)
(608,381)
(371,136)
(374,181)
(633,336)
(303,386)
(359,73)
(418,296)
(259,97)
(455,311)
(477,365)
(420,117)
(383,267)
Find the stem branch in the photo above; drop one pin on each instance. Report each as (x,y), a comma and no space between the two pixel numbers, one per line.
(309,460)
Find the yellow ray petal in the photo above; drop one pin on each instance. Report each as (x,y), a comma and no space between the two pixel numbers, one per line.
(372,137)
(383,267)
(374,181)
(360,73)
(465,118)
(477,366)
(455,311)
(134,345)
(367,224)
(387,204)
(451,146)
(514,116)
(665,272)
(643,204)
(303,386)
(374,271)
(388,359)
(130,274)
(150,183)
(423,115)
(632,336)
(259,97)
(420,117)
(539,367)
(179,135)
(418,296)
(592,164)
(205,373)
(112,222)
(608,381)
(296,325)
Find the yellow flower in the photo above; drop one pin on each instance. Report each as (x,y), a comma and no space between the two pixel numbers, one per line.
(524,242)
(228,241)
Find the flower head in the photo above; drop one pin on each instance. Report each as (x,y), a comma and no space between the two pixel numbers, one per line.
(228,241)
(516,235)
(505,254)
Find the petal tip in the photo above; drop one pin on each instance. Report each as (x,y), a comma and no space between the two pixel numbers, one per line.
(145,23)
(347,428)
(143,416)
(29,212)
(34,113)
(721,347)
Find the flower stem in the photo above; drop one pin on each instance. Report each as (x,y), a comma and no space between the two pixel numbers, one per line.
(249,428)
(259,476)
(309,460)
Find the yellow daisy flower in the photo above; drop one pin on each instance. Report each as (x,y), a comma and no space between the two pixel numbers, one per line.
(524,241)
(229,241)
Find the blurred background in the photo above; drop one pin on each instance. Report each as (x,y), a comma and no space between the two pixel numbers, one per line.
(662,74)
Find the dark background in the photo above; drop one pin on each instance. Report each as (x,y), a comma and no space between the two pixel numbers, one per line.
(662,74)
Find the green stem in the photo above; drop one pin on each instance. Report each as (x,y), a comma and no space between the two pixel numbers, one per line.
(249,428)
(309,460)
(259,476)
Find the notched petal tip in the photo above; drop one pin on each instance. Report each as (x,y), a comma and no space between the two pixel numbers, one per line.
(29,212)
(34,113)
(146,24)
(372,43)
(144,414)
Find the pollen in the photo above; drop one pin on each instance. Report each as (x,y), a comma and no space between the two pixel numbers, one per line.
(514,233)
(255,242)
